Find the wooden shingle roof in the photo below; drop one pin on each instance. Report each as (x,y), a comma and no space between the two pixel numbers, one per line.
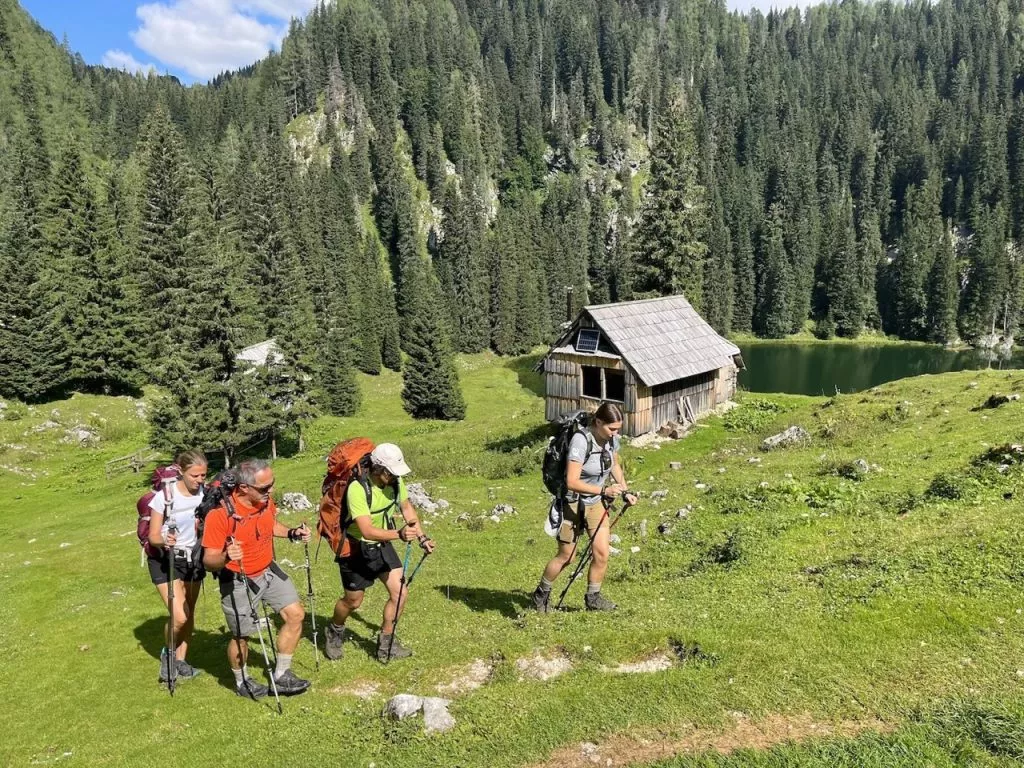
(661,339)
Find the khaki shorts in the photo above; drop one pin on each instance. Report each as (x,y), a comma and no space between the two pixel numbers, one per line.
(272,587)
(573,517)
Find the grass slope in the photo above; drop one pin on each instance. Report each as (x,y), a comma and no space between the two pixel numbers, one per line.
(813,590)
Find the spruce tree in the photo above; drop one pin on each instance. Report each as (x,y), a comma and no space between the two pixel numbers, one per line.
(943,293)
(984,296)
(461,259)
(845,310)
(164,235)
(919,247)
(430,382)
(743,280)
(772,318)
(83,284)
(670,242)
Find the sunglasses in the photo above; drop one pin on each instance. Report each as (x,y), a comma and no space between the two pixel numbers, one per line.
(261,489)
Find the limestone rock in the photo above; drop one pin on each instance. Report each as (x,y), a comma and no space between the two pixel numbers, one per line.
(297,502)
(795,435)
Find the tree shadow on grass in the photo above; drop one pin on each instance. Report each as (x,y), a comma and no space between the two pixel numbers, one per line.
(481,600)
(529,379)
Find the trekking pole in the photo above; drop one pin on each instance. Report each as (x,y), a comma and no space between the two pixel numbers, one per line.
(172,530)
(408,582)
(312,604)
(256,618)
(588,552)
(270,631)
(398,605)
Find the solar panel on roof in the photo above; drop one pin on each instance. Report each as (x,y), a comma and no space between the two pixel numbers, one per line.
(588,340)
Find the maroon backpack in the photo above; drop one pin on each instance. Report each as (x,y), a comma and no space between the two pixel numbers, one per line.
(170,472)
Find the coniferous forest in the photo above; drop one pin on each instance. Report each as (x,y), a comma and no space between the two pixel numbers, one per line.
(407,179)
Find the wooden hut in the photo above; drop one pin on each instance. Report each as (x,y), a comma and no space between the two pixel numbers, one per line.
(658,357)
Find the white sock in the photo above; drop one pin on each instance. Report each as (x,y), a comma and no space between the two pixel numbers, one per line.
(284,663)
(239,675)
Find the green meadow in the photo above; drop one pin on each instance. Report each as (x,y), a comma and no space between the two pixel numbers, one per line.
(852,600)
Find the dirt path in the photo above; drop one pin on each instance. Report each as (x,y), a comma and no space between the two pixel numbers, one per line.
(638,749)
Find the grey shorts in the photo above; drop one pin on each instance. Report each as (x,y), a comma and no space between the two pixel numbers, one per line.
(272,587)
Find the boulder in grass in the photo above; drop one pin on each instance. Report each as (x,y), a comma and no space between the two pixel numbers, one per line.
(296,502)
(436,717)
(795,435)
(403,705)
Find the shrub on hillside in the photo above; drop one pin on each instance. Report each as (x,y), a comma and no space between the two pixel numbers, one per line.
(751,415)
(951,486)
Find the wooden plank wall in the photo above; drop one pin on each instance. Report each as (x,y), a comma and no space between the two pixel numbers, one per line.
(643,411)
(700,389)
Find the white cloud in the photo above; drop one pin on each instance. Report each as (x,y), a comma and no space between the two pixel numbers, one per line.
(207,37)
(116,59)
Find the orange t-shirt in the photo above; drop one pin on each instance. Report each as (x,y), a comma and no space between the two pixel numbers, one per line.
(251,527)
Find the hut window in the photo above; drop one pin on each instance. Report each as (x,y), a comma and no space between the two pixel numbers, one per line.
(614,385)
(603,383)
(591,382)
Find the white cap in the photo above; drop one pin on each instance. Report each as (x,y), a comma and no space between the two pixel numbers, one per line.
(389,456)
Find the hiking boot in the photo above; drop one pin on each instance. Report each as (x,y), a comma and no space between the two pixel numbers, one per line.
(595,601)
(334,640)
(539,600)
(175,672)
(186,671)
(389,644)
(251,689)
(290,684)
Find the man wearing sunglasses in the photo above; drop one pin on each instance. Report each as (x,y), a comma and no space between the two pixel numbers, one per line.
(238,541)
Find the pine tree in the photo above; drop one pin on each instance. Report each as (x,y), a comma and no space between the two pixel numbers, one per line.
(29,344)
(919,246)
(83,284)
(845,310)
(341,393)
(743,281)
(670,242)
(164,240)
(430,387)
(771,316)
(461,259)
(987,284)
(371,295)
(943,293)
(718,272)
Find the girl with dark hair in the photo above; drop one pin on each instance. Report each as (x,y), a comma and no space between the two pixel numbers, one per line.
(173,523)
(593,457)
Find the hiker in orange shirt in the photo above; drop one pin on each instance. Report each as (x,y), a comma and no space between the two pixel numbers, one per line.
(238,541)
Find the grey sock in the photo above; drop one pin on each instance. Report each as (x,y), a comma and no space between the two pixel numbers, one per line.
(284,663)
(545,585)
(593,587)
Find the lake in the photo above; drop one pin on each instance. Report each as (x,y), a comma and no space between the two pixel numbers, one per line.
(820,369)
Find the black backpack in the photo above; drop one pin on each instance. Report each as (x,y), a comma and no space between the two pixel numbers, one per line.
(555,456)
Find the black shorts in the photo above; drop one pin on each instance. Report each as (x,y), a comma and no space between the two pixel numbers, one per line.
(366,564)
(183,569)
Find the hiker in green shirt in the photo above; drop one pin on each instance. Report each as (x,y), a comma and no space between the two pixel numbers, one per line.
(377,521)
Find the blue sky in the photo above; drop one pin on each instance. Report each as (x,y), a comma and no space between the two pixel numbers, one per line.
(193,39)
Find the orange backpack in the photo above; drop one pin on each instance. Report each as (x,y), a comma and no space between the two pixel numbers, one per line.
(349,461)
